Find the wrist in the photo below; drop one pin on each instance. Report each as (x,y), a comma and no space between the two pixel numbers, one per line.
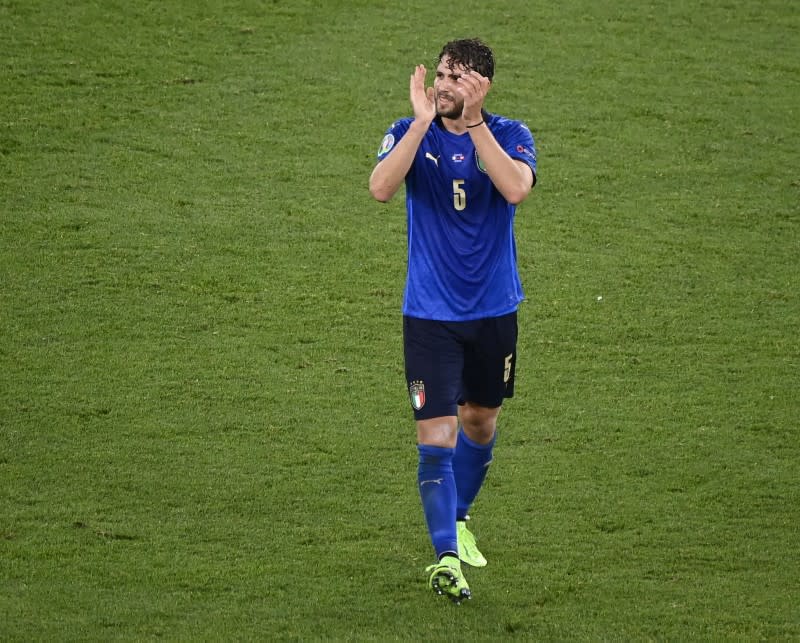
(421,124)
(470,125)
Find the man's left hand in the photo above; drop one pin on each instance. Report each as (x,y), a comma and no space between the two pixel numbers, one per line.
(473,89)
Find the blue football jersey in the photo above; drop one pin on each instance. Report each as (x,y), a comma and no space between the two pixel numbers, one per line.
(462,259)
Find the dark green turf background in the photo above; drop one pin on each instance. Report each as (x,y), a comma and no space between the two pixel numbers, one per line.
(204,432)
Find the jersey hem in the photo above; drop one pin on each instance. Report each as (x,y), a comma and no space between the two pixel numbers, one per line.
(461,318)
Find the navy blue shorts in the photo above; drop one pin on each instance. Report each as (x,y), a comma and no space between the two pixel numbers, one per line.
(449,363)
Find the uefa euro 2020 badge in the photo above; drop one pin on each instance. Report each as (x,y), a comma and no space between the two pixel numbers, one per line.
(386,144)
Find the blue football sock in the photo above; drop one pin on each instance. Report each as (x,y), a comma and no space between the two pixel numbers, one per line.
(437,489)
(470,464)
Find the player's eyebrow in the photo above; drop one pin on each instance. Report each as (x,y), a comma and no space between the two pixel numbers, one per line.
(453,74)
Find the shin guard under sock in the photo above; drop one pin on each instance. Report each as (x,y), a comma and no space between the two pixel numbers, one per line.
(437,489)
(470,464)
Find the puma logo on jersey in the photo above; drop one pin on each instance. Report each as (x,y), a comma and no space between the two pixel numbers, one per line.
(433,158)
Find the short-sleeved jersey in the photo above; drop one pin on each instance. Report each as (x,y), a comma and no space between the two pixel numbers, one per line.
(462,259)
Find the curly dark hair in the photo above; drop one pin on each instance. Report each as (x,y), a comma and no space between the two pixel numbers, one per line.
(470,52)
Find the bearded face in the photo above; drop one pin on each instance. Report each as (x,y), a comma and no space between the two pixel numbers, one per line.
(449,103)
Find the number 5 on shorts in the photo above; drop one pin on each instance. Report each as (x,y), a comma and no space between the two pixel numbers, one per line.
(507,371)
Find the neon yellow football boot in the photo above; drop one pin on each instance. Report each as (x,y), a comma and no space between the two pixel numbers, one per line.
(446,579)
(468,551)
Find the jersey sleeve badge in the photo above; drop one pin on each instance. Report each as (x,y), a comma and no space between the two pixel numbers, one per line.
(386,144)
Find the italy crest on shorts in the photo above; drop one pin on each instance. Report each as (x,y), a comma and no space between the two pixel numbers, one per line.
(416,391)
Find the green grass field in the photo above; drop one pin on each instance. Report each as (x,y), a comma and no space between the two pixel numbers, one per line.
(204,428)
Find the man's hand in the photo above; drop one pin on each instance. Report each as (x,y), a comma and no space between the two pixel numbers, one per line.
(389,174)
(473,89)
(422,99)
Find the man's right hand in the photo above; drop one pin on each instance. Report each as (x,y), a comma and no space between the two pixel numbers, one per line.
(422,99)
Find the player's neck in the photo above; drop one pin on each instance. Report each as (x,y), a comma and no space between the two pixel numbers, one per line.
(453,125)
(457,125)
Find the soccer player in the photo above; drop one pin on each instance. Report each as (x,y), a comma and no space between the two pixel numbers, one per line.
(465,171)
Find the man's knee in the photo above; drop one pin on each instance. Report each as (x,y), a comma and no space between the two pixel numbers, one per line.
(440,431)
(479,422)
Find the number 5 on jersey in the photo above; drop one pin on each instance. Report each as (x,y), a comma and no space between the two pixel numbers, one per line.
(459,195)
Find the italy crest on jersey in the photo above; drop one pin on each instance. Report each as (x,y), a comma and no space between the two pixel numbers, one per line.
(417,393)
